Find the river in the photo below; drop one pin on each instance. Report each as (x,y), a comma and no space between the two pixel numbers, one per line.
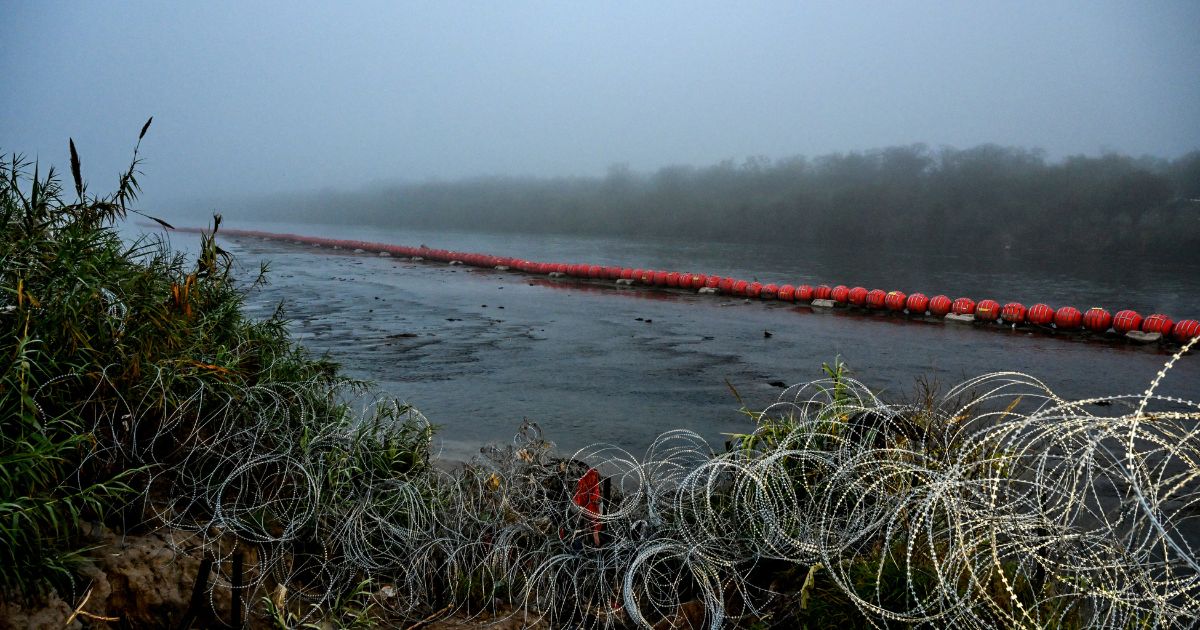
(477,350)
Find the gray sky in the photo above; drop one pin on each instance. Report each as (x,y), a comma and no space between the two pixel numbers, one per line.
(261,97)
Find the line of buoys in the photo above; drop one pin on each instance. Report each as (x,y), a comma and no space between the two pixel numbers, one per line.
(1096,320)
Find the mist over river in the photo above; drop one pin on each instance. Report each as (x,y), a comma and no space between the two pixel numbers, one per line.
(479,350)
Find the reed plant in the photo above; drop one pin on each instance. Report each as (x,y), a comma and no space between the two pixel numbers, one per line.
(135,393)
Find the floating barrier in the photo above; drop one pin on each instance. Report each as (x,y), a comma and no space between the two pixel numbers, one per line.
(987,311)
(1040,315)
(1095,321)
(1185,329)
(917,303)
(1157,323)
(841,294)
(858,296)
(1125,321)
(1068,318)
(1013,313)
(939,305)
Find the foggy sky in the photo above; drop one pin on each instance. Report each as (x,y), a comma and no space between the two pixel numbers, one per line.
(258,97)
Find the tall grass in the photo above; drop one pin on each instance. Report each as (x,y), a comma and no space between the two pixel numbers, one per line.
(133,387)
(56,269)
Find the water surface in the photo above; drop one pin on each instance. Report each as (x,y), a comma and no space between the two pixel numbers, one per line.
(479,350)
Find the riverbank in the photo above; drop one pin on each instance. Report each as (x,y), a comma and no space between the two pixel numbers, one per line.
(959,510)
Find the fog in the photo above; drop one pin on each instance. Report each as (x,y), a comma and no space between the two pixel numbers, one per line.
(294,97)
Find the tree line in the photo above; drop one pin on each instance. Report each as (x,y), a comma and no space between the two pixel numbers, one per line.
(897,198)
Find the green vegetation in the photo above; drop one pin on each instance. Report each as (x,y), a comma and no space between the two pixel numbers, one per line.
(902,199)
(134,393)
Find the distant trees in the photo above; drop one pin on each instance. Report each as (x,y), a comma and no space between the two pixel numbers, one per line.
(898,197)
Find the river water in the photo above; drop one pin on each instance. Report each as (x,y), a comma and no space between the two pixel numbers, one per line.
(477,351)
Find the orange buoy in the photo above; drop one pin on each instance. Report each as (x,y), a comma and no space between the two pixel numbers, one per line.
(1157,323)
(1013,313)
(660,278)
(769,291)
(787,293)
(987,310)
(916,304)
(963,306)
(612,273)
(1067,318)
(726,285)
(1185,329)
(595,272)
(754,289)
(840,294)
(1097,320)
(939,305)
(698,280)
(805,293)
(739,287)
(875,298)
(822,292)
(857,296)
(895,300)
(1125,321)
(672,278)
(713,282)
(627,274)
(1040,314)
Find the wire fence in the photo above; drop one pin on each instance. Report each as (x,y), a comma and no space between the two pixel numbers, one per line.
(996,504)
